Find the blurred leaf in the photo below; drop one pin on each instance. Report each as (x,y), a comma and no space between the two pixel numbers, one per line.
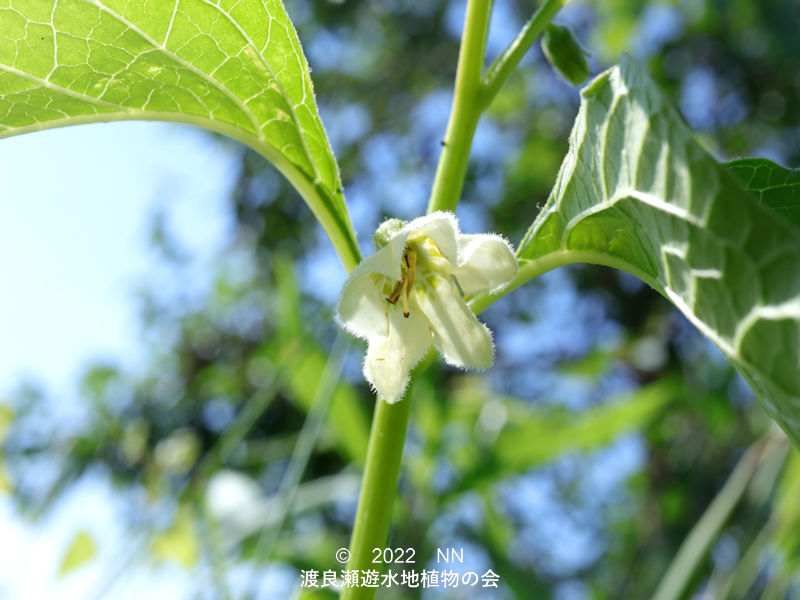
(513,436)
(238,503)
(591,366)
(774,185)
(699,541)
(133,444)
(616,25)
(6,419)
(96,381)
(787,513)
(81,550)
(303,362)
(178,453)
(178,544)
(5,482)
(537,437)
(321,594)
(637,192)
(236,68)
(565,54)
(346,415)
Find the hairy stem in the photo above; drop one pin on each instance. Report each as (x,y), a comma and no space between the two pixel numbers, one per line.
(466,110)
(378,490)
(390,423)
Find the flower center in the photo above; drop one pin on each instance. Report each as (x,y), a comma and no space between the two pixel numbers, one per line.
(403,287)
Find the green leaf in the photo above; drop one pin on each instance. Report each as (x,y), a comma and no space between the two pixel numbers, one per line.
(564,52)
(81,550)
(233,66)
(639,193)
(535,437)
(538,437)
(512,437)
(304,363)
(775,186)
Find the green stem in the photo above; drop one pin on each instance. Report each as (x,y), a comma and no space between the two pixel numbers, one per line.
(378,490)
(502,67)
(390,423)
(466,110)
(531,269)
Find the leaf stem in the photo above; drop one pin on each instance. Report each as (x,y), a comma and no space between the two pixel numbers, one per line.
(531,269)
(378,490)
(501,68)
(466,110)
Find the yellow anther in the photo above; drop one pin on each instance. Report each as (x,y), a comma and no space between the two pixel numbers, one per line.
(403,287)
(405,298)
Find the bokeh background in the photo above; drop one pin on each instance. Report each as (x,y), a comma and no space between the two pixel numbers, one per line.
(181,418)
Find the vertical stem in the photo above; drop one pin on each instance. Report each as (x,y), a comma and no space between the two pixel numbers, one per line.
(452,167)
(390,422)
(378,490)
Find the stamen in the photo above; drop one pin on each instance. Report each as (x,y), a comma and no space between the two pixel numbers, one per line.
(398,288)
(411,261)
(403,287)
(458,285)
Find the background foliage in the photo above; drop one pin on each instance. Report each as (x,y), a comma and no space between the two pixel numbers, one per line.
(576,468)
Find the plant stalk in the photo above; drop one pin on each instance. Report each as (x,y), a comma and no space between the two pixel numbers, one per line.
(378,490)
(390,423)
(466,110)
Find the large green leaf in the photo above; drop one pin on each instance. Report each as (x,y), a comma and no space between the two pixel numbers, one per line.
(232,66)
(638,192)
(775,186)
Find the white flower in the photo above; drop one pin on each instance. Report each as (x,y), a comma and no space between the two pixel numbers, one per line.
(410,294)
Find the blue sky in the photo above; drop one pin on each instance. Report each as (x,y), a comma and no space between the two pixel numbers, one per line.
(73,235)
(73,247)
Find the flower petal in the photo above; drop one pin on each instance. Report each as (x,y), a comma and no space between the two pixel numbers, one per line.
(486,262)
(390,358)
(362,303)
(362,306)
(460,337)
(441,227)
(387,260)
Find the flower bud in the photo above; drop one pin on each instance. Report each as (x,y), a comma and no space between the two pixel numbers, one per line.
(565,54)
(386,231)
